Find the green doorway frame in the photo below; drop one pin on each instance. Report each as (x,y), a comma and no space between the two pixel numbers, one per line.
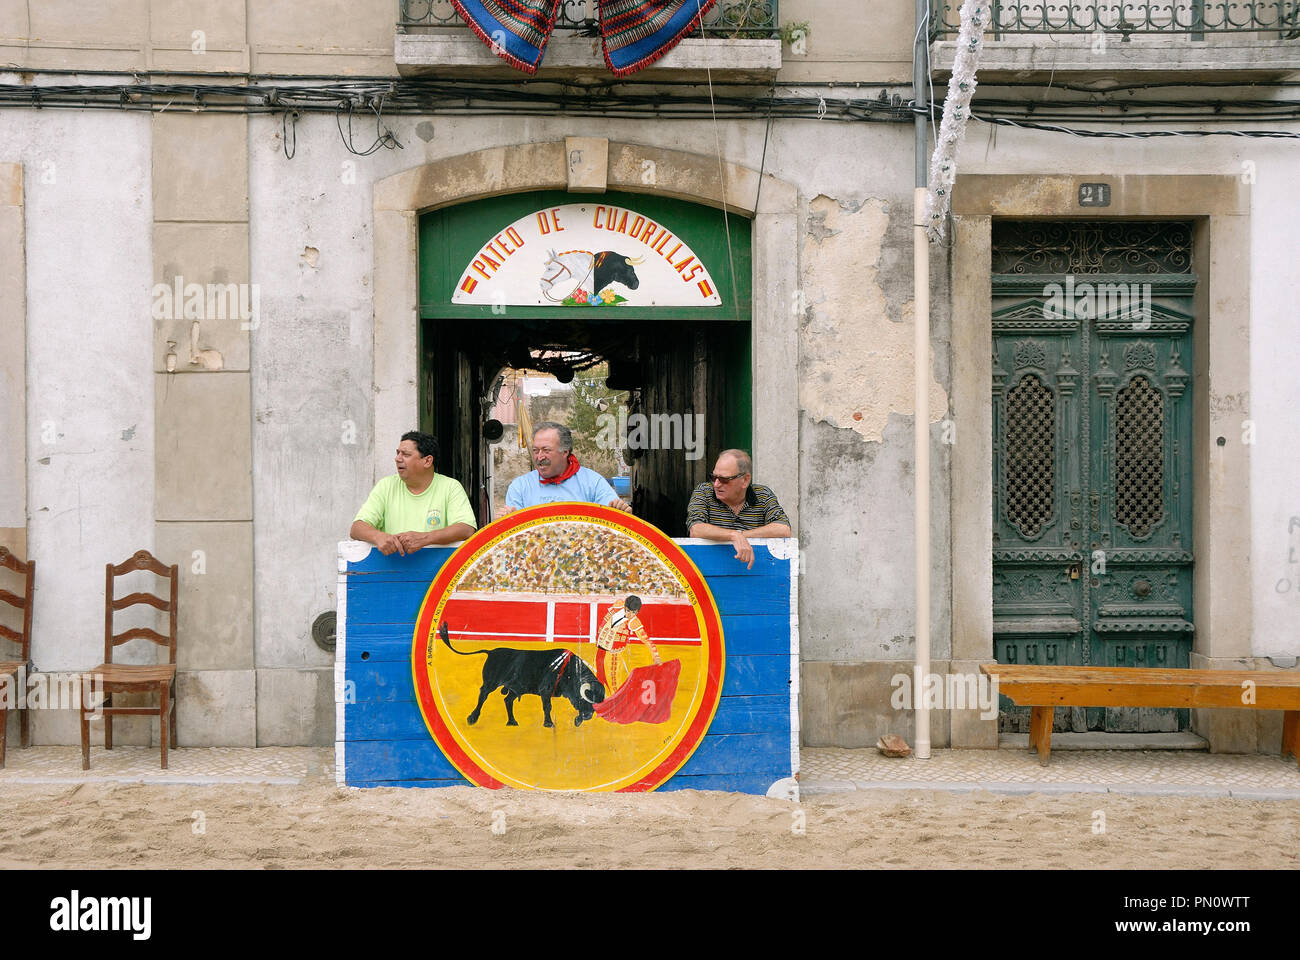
(449,387)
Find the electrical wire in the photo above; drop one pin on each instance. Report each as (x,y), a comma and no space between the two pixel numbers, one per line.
(667,101)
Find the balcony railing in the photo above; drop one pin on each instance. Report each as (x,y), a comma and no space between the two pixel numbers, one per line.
(1192,17)
(752,19)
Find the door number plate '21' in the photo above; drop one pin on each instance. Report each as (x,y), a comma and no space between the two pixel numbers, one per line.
(1094,194)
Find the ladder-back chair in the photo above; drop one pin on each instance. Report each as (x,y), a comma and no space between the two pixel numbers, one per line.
(12,671)
(132,678)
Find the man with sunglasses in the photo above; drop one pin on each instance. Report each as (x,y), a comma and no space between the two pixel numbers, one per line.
(733,510)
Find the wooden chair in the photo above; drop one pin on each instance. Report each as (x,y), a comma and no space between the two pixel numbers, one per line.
(11,671)
(130,678)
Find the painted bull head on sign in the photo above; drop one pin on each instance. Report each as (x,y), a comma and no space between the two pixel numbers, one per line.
(610,267)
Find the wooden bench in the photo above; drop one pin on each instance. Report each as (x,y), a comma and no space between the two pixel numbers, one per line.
(1043,688)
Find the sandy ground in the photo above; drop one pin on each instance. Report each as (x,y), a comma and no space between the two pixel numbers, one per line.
(101,825)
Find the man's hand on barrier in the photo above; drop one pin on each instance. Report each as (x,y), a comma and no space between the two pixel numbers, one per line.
(412,541)
(389,544)
(620,504)
(744,552)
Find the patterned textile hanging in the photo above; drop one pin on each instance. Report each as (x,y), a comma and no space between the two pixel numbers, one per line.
(634,33)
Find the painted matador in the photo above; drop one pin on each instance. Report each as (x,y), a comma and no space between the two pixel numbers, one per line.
(620,626)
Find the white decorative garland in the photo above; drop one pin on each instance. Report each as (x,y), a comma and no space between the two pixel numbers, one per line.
(956,111)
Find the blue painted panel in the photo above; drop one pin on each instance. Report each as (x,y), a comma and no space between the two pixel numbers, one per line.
(731,782)
(726,754)
(748,744)
(424,563)
(390,602)
(756,676)
(751,714)
(747,636)
(397,720)
(411,783)
(363,651)
(361,631)
(401,719)
(743,596)
(719,560)
(398,760)
(742,753)
(384,681)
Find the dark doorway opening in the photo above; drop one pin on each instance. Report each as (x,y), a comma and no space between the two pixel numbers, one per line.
(689,385)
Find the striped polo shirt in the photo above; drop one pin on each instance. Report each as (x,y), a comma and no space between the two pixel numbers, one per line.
(760,509)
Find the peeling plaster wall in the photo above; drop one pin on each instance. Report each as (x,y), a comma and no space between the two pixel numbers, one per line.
(855,340)
(90,393)
(1274,404)
(310,255)
(856,439)
(857,591)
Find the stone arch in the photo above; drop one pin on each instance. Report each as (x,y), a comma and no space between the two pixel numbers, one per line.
(771,204)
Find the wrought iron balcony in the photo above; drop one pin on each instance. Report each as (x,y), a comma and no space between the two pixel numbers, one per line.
(750,19)
(1192,18)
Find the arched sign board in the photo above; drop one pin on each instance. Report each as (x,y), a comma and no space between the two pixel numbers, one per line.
(596,255)
(568,647)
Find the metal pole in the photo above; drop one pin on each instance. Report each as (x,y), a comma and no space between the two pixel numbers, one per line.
(921,378)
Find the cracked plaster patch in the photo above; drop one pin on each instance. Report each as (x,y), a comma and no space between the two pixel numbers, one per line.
(857,363)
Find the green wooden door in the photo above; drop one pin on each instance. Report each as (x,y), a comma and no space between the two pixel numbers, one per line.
(1092,440)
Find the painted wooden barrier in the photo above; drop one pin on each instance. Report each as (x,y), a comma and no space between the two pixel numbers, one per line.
(519,658)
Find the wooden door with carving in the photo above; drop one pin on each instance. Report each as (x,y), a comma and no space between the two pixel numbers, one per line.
(1092,443)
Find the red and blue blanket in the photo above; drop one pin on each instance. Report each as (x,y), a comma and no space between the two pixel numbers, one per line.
(634,33)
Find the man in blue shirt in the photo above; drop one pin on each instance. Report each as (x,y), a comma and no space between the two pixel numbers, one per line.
(558,477)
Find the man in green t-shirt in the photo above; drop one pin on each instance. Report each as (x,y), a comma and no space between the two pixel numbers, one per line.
(416,507)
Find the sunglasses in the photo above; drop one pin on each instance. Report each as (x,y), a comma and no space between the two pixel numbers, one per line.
(718,478)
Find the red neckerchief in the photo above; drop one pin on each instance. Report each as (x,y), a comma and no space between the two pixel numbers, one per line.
(569,471)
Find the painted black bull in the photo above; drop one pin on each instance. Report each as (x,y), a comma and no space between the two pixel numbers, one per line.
(610,267)
(544,673)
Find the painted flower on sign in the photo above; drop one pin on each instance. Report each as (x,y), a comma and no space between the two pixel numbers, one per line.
(606,298)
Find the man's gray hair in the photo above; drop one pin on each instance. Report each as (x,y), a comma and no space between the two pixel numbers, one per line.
(743,463)
(565,434)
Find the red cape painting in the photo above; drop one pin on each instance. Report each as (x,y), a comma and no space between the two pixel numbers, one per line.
(645,697)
